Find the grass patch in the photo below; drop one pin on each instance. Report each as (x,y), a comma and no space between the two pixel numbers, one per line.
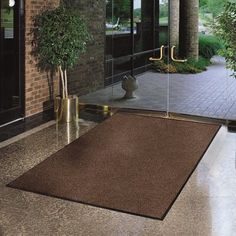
(209,46)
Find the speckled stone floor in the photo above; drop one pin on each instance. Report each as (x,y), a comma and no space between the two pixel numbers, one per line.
(206,206)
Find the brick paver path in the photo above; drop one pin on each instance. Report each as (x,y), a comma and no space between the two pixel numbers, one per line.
(211,93)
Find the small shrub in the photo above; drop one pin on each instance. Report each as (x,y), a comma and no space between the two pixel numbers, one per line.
(161,66)
(192,66)
(225,29)
(172,69)
(200,64)
(209,46)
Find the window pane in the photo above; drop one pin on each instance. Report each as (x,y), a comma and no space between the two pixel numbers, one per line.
(161,24)
(143,25)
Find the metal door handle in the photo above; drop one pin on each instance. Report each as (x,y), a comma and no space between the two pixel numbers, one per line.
(161,55)
(172,55)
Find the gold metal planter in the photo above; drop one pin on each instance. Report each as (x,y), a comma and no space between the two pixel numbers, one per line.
(67,109)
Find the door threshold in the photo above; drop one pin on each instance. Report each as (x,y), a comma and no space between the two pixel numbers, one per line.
(107,109)
(176,116)
(12,122)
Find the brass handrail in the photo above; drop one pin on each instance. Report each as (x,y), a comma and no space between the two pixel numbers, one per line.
(172,56)
(161,55)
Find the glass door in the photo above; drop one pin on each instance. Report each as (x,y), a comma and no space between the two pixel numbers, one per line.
(198,82)
(11,86)
(153,60)
(138,41)
(136,44)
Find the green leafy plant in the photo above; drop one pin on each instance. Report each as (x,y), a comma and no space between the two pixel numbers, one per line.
(192,66)
(209,46)
(60,37)
(225,28)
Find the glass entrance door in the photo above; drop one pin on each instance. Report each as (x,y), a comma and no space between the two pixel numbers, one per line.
(11,86)
(136,33)
(154,60)
(174,73)
(198,84)
(137,39)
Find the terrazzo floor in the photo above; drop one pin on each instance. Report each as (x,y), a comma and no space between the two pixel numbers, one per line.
(206,206)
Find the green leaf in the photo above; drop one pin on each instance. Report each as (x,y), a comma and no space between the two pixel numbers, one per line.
(60,37)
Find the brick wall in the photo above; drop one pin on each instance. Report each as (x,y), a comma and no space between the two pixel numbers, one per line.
(86,77)
(37,83)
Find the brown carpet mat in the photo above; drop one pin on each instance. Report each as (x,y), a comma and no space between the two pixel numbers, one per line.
(129,163)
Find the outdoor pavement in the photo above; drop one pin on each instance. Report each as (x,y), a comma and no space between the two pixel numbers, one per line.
(210,94)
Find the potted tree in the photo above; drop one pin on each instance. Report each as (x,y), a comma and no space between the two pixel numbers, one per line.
(60,37)
(225,29)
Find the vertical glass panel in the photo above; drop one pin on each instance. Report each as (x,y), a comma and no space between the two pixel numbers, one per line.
(200,85)
(7,19)
(9,57)
(118,39)
(161,67)
(164,13)
(122,65)
(109,29)
(141,62)
(109,42)
(161,22)
(117,69)
(121,27)
(143,25)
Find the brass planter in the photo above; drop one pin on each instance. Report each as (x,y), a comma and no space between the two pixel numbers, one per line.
(67,109)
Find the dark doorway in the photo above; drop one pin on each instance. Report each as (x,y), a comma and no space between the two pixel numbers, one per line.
(11,58)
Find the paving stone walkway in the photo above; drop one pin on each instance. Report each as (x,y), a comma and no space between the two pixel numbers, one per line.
(210,94)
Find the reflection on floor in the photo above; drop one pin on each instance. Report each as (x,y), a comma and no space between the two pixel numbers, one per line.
(210,94)
(206,206)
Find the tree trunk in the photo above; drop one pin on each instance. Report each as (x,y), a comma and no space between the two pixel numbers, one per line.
(189,45)
(62,82)
(174,22)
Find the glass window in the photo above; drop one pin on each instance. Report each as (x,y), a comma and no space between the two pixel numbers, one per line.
(9,83)
(143,25)
(134,28)
(162,22)
(7,19)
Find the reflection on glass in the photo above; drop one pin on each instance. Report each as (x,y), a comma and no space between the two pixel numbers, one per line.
(109,6)
(122,64)
(118,17)
(11,3)
(118,36)
(134,28)
(137,16)
(118,27)
(143,25)
(9,81)
(7,19)
(162,21)
(121,28)
(141,60)
(163,13)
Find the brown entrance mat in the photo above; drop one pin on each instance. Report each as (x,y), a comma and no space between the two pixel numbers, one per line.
(129,163)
